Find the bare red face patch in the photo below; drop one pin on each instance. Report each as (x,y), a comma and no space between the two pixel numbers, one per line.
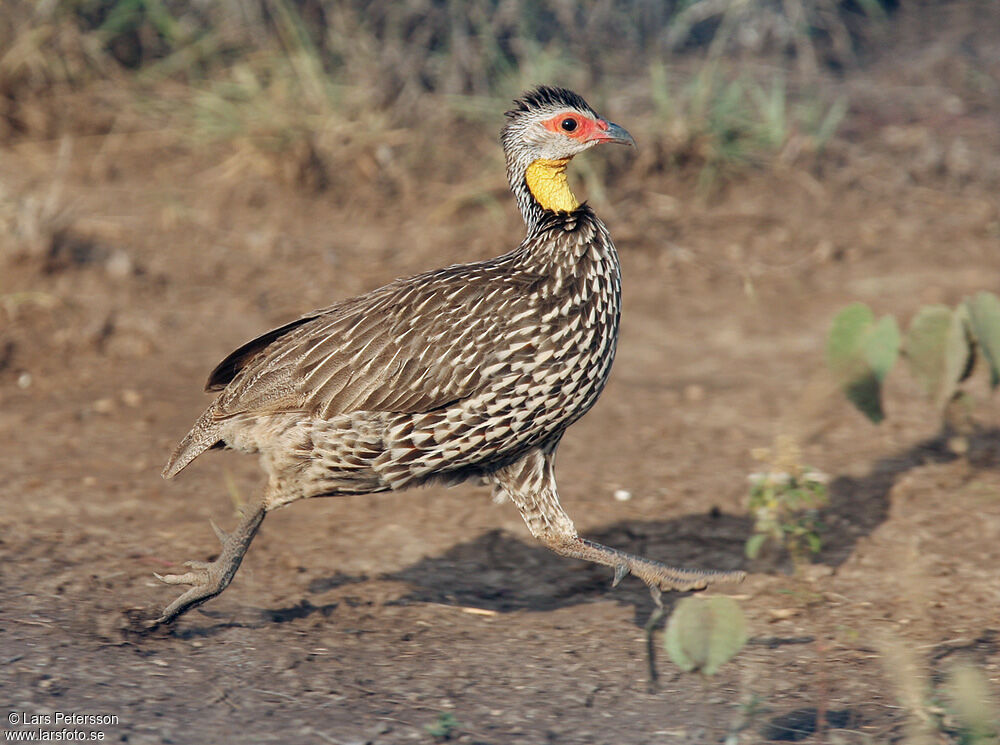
(577,126)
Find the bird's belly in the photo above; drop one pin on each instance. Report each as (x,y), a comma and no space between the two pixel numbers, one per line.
(548,376)
(531,400)
(515,413)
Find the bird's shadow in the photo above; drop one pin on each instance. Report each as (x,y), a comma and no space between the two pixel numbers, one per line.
(500,572)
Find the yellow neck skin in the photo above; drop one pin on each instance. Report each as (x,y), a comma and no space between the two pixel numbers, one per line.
(547,182)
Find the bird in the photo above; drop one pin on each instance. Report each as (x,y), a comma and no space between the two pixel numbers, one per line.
(471,371)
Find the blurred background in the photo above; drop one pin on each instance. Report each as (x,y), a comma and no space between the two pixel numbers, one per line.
(177,177)
(712,84)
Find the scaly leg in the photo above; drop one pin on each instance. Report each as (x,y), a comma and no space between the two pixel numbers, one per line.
(208,579)
(656,575)
(530,484)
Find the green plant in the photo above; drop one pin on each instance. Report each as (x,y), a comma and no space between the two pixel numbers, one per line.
(705,633)
(957,704)
(444,727)
(723,122)
(859,353)
(976,715)
(785,501)
(941,346)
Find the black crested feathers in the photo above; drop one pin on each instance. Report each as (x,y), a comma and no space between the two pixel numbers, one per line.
(547,95)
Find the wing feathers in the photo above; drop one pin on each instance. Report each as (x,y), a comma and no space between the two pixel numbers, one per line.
(408,347)
(414,345)
(229,368)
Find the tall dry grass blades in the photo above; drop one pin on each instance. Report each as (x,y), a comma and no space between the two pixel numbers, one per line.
(722,121)
(405,50)
(304,89)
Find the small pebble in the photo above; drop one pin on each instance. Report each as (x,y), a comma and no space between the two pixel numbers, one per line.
(622,495)
(24,380)
(119,265)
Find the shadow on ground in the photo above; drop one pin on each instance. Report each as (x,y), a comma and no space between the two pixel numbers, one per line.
(859,505)
(500,572)
(497,571)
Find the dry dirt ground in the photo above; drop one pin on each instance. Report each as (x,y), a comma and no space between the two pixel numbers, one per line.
(365,620)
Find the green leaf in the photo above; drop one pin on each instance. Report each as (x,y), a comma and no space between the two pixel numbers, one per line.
(984,321)
(938,350)
(846,333)
(754,544)
(704,633)
(860,353)
(881,347)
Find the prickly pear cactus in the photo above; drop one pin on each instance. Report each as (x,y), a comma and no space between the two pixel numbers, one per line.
(941,348)
(705,633)
(984,321)
(860,352)
(938,350)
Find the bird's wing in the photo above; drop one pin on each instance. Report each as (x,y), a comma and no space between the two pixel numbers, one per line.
(412,346)
(229,368)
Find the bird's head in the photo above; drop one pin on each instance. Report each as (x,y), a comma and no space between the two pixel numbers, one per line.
(545,129)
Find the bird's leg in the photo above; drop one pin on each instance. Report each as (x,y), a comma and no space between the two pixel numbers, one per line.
(208,579)
(656,575)
(530,484)
(654,620)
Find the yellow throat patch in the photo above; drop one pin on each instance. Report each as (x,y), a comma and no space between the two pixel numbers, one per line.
(547,182)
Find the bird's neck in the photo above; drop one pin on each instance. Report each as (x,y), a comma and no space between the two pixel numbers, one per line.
(541,186)
(547,182)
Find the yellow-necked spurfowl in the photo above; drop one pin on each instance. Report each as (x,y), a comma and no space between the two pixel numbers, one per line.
(474,370)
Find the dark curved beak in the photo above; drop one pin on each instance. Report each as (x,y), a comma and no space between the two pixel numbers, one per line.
(616,135)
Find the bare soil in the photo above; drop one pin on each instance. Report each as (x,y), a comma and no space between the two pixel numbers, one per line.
(364,620)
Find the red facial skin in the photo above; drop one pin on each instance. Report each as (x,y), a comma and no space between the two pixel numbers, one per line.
(587,130)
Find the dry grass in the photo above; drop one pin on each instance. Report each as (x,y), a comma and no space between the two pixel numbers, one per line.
(335,88)
(404,50)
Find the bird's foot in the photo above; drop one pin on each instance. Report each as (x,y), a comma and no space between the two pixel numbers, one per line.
(208,579)
(659,577)
(662,578)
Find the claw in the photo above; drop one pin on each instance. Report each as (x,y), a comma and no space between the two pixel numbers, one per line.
(176,579)
(204,585)
(219,532)
(621,572)
(196,577)
(208,579)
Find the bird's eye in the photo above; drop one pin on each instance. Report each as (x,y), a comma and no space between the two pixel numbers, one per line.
(568,125)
